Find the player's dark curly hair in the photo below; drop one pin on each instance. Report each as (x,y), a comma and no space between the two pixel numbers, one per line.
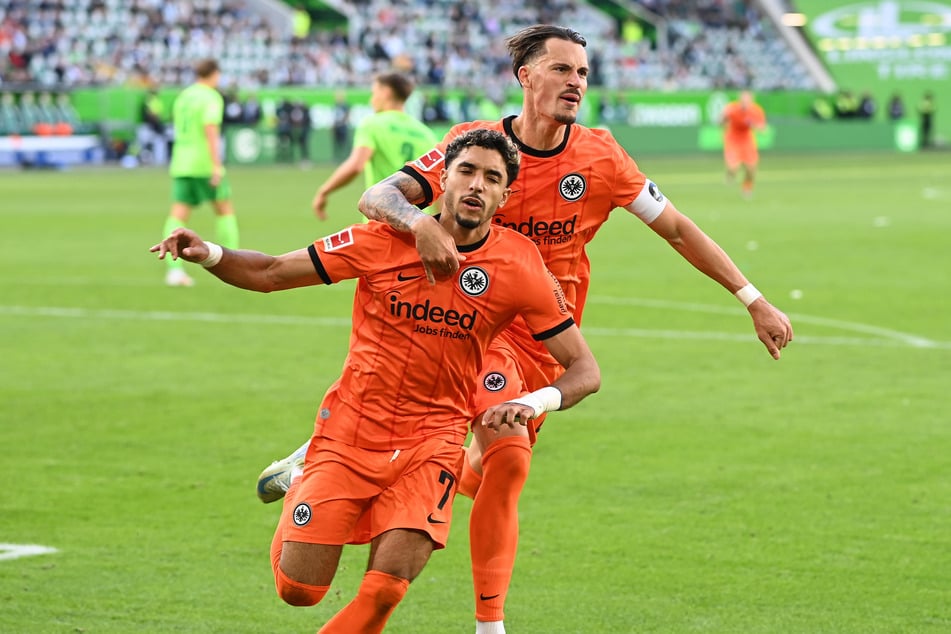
(529,44)
(490,140)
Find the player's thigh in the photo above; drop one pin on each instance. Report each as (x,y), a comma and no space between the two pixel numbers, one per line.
(223,207)
(400,552)
(749,156)
(731,155)
(312,564)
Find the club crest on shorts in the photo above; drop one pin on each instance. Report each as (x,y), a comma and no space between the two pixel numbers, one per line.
(572,187)
(494,381)
(302,514)
(473,281)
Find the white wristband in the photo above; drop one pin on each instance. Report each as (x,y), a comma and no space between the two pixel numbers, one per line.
(748,294)
(214,255)
(547,399)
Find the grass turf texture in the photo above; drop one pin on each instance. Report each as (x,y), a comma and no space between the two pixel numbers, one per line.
(706,488)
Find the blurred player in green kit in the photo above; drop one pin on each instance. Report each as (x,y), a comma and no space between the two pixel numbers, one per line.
(383,141)
(197,173)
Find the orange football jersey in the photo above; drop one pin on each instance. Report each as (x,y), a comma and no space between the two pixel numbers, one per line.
(559,200)
(742,121)
(416,349)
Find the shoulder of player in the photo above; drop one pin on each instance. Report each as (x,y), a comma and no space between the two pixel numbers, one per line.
(586,135)
(372,242)
(384,231)
(371,120)
(374,231)
(461,128)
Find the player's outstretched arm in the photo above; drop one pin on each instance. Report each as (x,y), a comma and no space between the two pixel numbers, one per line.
(582,377)
(771,324)
(393,200)
(251,270)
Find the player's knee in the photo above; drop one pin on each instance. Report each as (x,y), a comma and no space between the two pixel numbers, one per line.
(296,593)
(384,590)
(510,458)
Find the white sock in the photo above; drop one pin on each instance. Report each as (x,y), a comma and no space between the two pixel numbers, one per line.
(490,627)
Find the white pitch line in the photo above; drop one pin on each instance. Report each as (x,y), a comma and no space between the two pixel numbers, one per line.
(17,551)
(886,338)
(905,338)
(160,315)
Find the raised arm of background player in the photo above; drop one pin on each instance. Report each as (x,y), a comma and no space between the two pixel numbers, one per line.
(393,200)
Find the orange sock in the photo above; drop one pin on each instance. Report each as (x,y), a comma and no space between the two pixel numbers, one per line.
(470,481)
(369,611)
(493,523)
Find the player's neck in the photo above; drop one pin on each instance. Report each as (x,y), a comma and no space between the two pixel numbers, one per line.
(462,235)
(538,133)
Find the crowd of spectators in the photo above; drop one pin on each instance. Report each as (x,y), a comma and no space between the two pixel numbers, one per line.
(443,43)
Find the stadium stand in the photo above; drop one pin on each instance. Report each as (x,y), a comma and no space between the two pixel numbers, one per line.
(447,43)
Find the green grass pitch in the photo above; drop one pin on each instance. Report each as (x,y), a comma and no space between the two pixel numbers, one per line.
(705,489)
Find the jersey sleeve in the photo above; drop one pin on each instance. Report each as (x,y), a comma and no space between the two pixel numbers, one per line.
(628,178)
(356,251)
(633,190)
(363,134)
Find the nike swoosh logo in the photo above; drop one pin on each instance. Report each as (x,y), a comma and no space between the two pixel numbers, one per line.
(262,485)
(487,598)
(406,278)
(433,520)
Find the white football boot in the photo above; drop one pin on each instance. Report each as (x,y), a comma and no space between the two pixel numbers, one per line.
(276,478)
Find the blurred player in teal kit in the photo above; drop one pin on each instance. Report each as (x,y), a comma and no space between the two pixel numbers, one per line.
(198,175)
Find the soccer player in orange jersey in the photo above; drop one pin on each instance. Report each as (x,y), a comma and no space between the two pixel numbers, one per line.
(571,179)
(740,120)
(385,458)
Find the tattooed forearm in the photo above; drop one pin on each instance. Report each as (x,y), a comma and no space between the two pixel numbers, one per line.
(389,201)
(390,206)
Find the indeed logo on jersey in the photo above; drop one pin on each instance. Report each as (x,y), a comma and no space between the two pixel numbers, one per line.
(541,231)
(434,320)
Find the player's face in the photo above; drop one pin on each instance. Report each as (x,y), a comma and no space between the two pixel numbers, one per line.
(557,81)
(474,186)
